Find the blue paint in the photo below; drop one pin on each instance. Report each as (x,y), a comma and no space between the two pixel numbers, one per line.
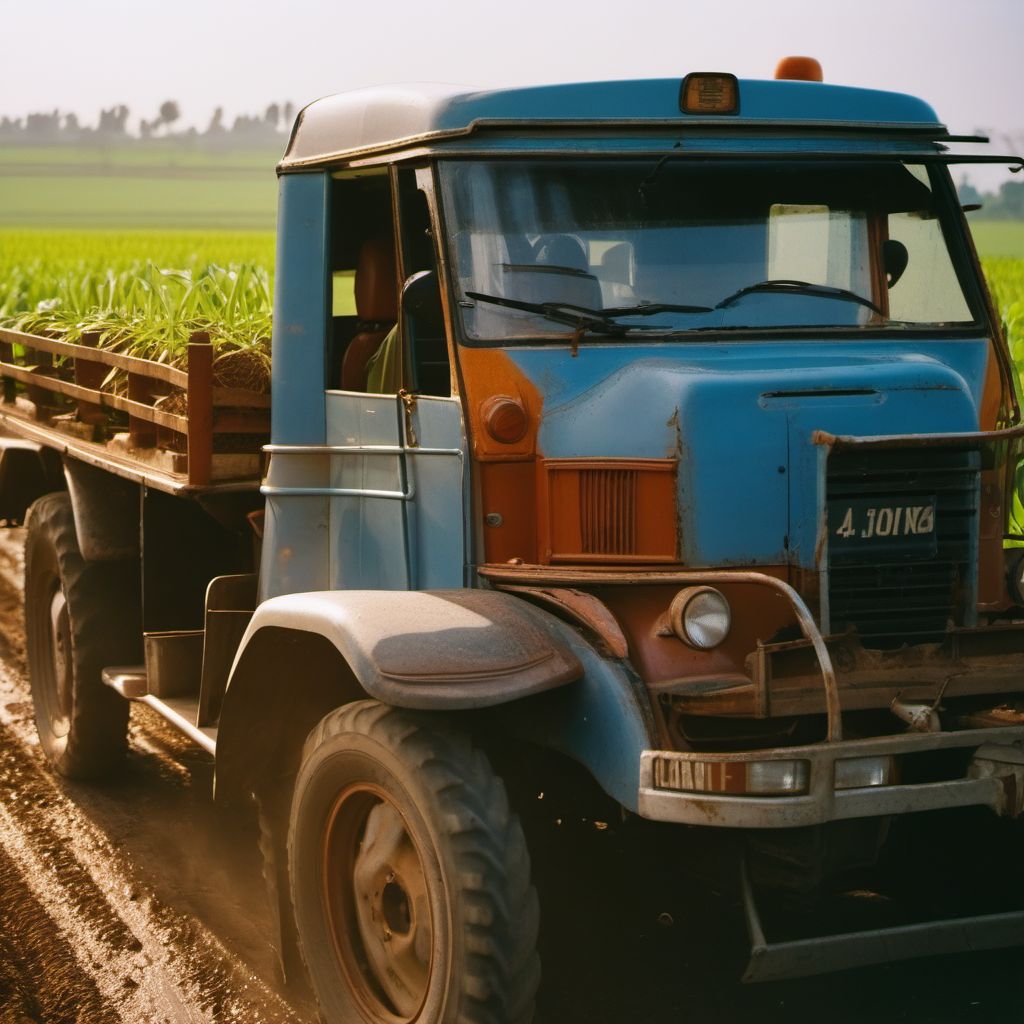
(657,99)
(597,721)
(748,474)
(301,306)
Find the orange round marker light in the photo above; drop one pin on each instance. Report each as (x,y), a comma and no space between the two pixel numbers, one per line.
(505,419)
(799,69)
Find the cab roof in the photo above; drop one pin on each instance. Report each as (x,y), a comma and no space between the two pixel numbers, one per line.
(388,117)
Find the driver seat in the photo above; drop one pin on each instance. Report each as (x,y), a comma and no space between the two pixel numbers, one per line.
(376,294)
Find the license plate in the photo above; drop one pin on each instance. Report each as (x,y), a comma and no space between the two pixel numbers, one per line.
(857,525)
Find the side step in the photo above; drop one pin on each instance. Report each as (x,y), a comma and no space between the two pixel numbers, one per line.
(822,955)
(130,682)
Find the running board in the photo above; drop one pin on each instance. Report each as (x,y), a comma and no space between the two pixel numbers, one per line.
(802,958)
(181,712)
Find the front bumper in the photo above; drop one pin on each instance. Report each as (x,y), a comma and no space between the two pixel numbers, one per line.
(995,779)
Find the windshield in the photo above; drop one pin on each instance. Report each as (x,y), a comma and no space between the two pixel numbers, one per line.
(671,246)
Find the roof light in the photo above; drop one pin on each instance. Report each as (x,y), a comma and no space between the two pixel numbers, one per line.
(799,69)
(709,92)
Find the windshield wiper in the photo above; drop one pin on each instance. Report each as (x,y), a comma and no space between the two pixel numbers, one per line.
(580,317)
(651,308)
(799,288)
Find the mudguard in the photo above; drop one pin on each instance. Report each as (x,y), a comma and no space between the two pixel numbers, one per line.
(450,649)
(305,654)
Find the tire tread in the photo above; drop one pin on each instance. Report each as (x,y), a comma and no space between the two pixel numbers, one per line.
(104,631)
(498,902)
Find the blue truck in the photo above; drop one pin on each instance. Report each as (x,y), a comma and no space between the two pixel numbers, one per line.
(664,427)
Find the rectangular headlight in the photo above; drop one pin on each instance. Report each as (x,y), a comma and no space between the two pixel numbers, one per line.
(859,772)
(771,778)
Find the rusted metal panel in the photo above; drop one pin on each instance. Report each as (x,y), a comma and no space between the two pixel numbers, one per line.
(958,440)
(583,608)
(809,628)
(801,958)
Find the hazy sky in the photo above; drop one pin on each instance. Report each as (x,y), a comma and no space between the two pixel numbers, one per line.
(964,58)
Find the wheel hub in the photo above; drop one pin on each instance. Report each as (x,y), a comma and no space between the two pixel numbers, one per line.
(379,906)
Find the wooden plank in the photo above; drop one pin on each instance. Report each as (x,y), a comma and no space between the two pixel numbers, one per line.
(143,432)
(90,374)
(179,424)
(240,398)
(143,367)
(200,409)
(241,421)
(124,464)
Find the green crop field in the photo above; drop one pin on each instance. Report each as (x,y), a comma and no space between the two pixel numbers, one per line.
(151,186)
(999,237)
(182,279)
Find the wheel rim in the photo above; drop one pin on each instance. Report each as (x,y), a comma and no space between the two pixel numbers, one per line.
(378,905)
(56,665)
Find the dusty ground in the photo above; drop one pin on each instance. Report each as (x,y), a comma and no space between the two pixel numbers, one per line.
(140,902)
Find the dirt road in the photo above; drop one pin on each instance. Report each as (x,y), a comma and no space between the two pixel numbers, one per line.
(141,902)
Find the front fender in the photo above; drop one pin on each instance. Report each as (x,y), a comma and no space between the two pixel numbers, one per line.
(439,649)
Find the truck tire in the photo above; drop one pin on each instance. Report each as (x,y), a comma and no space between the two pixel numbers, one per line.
(80,617)
(410,877)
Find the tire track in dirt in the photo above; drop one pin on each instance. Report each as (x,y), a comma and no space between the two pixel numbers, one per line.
(53,989)
(84,937)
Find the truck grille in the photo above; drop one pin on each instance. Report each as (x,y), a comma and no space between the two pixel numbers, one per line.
(608,511)
(889,595)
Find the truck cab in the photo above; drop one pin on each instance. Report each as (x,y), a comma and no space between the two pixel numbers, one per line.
(666,426)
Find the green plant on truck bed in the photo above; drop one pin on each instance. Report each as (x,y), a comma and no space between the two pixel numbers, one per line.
(60,284)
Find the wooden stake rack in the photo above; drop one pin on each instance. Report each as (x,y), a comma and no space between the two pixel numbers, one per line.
(59,384)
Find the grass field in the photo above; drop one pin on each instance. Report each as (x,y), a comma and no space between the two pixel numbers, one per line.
(151,186)
(117,250)
(154,155)
(999,238)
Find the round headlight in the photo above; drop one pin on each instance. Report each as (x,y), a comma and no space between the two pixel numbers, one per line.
(700,617)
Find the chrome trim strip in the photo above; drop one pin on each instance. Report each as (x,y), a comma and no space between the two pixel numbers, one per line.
(193,732)
(355,449)
(273,490)
(823,802)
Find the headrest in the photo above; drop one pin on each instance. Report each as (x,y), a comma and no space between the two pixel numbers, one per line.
(561,251)
(376,286)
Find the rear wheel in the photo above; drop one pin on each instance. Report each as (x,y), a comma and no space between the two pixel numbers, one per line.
(410,877)
(80,617)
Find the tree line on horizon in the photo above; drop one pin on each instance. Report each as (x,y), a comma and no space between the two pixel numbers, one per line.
(1005,204)
(57,127)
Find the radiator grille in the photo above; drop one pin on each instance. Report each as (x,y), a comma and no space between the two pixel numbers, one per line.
(608,511)
(891,598)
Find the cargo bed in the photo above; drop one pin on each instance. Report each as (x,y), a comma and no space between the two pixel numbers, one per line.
(170,428)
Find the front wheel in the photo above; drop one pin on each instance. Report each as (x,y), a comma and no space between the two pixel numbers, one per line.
(410,877)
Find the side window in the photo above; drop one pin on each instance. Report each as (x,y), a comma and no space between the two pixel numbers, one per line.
(364,275)
(429,370)
(927,290)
